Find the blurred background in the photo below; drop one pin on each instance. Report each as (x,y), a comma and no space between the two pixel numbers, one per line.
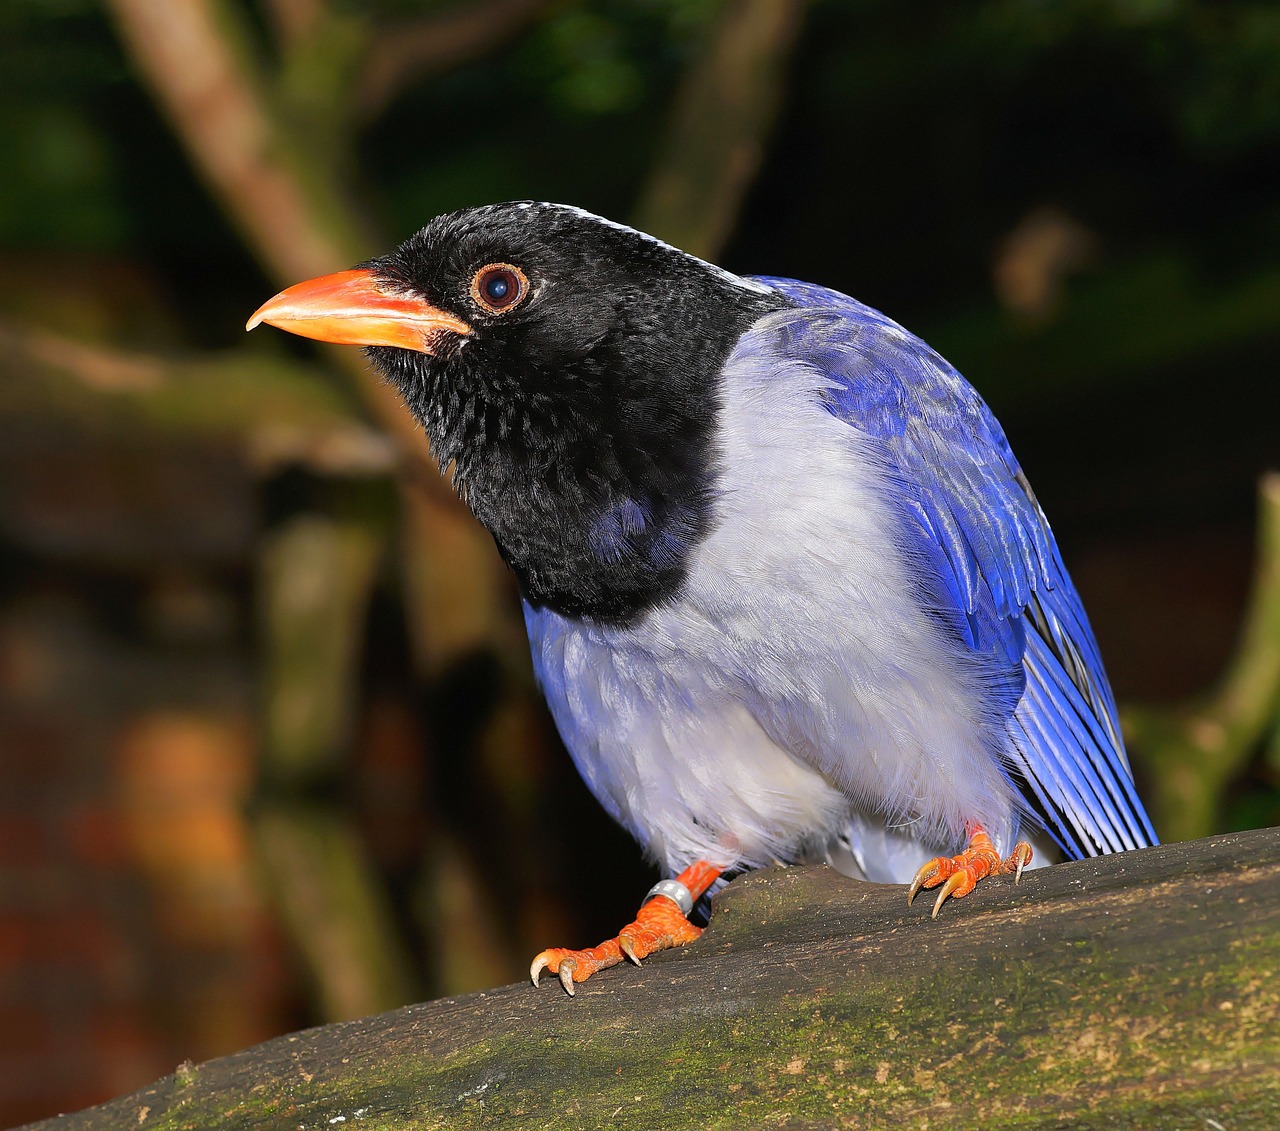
(270,753)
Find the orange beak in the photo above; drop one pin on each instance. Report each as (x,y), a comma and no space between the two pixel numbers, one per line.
(351,308)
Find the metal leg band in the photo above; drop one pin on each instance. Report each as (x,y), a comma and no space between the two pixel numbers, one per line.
(675,891)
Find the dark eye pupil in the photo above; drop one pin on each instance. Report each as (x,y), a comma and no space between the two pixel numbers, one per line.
(498,287)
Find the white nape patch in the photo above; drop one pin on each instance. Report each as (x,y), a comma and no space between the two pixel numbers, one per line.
(728,276)
(796,684)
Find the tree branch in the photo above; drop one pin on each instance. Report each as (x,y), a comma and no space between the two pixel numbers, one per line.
(1196,751)
(1135,990)
(295,20)
(197,60)
(409,51)
(275,407)
(723,113)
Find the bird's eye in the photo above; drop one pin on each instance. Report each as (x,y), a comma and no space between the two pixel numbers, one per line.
(498,287)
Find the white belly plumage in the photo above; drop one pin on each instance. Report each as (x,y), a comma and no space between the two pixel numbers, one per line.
(796,692)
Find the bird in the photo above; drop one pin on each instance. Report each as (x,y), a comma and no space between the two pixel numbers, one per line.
(789,595)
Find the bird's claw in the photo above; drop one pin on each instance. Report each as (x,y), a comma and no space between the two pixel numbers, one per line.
(563,970)
(627,948)
(572,966)
(565,973)
(1020,858)
(659,926)
(922,876)
(960,883)
(959,875)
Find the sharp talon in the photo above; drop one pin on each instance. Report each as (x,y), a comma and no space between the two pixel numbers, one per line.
(659,925)
(922,876)
(566,975)
(624,944)
(1022,854)
(956,881)
(965,871)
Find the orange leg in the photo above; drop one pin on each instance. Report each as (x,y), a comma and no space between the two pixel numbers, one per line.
(659,925)
(962,873)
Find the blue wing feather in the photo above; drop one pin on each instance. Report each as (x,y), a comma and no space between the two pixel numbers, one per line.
(996,575)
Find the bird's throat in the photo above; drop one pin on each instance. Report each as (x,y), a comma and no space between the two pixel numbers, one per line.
(588,531)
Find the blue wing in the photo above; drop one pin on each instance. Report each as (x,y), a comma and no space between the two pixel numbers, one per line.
(991,563)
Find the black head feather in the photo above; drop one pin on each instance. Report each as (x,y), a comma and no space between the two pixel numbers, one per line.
(579,423)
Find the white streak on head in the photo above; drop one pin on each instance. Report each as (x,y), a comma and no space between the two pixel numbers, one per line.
(728,276)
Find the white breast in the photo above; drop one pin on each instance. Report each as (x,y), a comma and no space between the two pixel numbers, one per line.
(796,685)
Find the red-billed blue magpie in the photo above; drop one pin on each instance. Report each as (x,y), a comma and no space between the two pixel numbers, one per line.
(788,592)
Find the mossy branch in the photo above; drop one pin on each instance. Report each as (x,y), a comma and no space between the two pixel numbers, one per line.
(1130,991)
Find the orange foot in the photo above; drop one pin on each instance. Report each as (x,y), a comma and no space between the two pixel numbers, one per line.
(963,872)
(660,924)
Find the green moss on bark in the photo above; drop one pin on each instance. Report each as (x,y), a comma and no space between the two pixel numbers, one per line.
(1133,991)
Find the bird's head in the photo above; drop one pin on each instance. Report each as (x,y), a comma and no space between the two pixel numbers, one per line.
(566,368)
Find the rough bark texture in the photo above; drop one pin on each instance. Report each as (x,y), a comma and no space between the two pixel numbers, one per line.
(1135,991)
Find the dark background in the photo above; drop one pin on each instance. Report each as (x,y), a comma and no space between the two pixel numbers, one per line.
(269,749)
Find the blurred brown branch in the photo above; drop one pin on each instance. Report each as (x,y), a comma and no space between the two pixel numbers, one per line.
(1194,752)
(315,582)
(723,112)
(407,52)
(315,576)
(275,407)
(197,59)
(287,200)
(295,20)
(1034,261)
